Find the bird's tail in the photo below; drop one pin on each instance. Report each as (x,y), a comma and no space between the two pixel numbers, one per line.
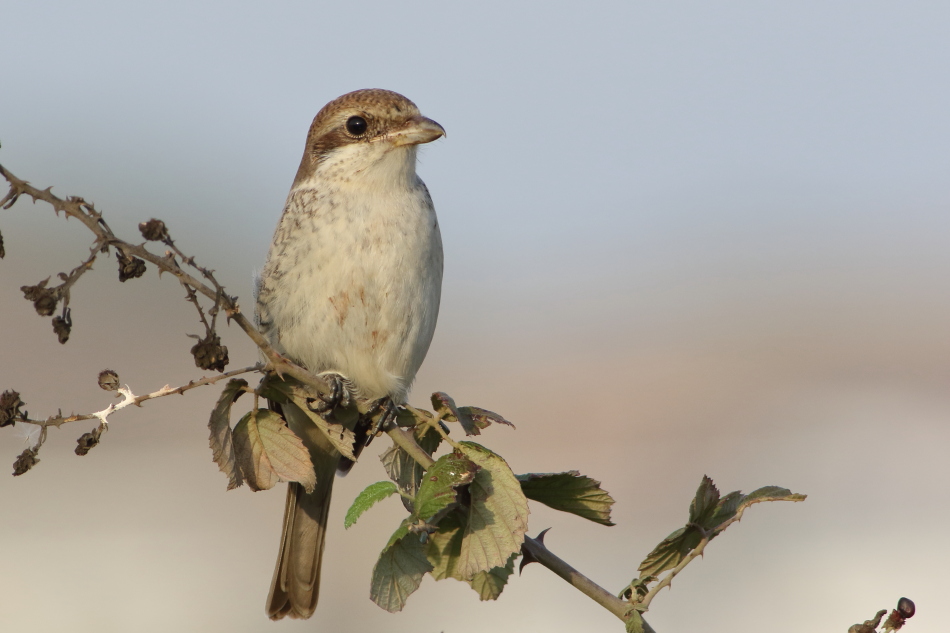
(296,585)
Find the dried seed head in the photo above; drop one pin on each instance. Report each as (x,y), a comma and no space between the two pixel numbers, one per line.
(130,267)
(62,325)
(154,230)
(24,462)
(10,404)
(3,253)
(87,441)
(108,380)
(210,354)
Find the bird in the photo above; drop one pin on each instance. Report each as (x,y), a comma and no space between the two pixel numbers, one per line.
(350,290)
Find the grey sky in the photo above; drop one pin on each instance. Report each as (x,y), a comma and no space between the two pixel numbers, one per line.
(729,222)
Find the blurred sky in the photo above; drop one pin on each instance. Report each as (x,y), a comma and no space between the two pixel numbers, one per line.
(682,238)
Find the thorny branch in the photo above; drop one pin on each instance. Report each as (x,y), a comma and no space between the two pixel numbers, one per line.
(154,230)
(132,399)
(85,212)
(536,551)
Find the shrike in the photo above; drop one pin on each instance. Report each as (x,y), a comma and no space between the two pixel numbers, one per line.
(350,290)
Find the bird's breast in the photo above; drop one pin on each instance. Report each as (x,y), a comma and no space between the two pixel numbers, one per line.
(353,283)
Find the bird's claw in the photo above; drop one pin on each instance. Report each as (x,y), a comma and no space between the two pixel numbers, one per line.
(339,395)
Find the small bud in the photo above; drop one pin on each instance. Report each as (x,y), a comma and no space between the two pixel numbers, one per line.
(906,607)
(130,267)
(62,325)
(87,441)
(210,354)
(154,230)
(10,404)
(25,462)
(108,380)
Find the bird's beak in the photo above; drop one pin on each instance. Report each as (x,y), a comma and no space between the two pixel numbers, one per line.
(417,130)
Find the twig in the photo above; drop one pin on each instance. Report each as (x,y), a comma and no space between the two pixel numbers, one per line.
(407,442)
(132,399)
(620,608)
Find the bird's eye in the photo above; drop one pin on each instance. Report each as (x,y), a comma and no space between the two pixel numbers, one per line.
(356,125)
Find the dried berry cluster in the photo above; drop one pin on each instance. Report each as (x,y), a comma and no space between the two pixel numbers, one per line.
(10,404)
(26,460)
(209,353)
(87,441)
(63,325)
(154,230)
(44,299)
(130,267)
(108,380)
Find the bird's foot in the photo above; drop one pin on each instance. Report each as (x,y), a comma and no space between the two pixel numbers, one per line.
(366,429)
(339,394)
(388,410)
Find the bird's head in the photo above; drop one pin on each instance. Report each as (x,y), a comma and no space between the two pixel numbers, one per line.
(362,129)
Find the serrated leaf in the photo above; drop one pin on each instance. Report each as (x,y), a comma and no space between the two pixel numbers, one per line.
(489,584)
(498,516)
(569,492)
(670,551)
(399,571)
(707,496)
(445,546)
(403,469)
(770,493)
(710,512)
(634,623)
(371,495)
(267,452)
(336,428)
(221,441)
(443,551)
(438,488)
(446,409)
(483,417)
(280,389)
(288,391)
(727,508)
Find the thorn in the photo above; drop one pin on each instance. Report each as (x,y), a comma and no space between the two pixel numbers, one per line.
(526,556)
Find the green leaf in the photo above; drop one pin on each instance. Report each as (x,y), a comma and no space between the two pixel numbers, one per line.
(371,495)
(438,489)
(770,493)
(709,514)
(670,551)
(444,549)
(280,389)
(634,623)
(399,571)
(569,492)
(707,496)
(489,584)
(222,444)
(498,517)
(337,426)
(404,470)
(445,546)
(446,409)
(267,452)
(483,417)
